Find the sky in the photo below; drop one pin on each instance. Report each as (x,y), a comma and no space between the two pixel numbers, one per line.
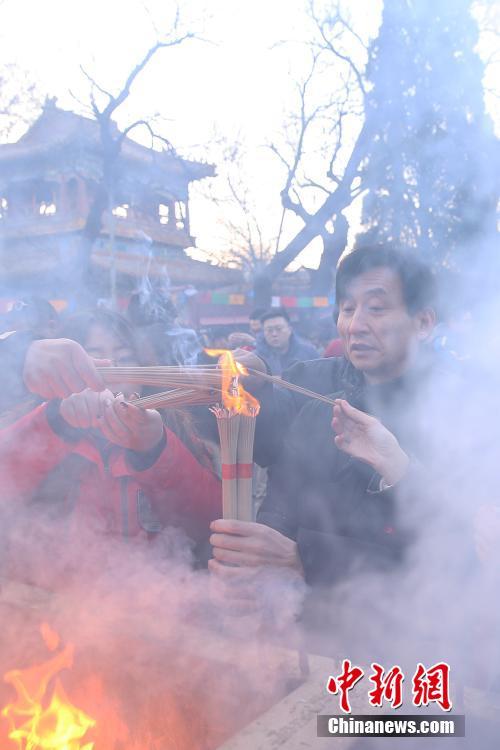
(235,82)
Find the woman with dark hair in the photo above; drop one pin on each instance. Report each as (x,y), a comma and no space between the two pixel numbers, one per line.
(104,463)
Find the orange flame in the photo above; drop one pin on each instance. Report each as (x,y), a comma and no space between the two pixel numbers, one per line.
(234,397)
(57,726)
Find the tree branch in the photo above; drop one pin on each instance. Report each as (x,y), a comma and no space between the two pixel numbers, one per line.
(115,101)
(154,136)
(94,83)
(329,45)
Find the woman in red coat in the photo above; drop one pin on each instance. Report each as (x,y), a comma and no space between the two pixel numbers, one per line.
(95,462)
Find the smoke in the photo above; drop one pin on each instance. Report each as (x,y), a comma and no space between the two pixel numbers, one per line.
(152,308)
(159,653)
(181,661)
(441,603)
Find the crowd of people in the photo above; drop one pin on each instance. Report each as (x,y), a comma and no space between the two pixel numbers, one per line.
(352,487)
(332,474)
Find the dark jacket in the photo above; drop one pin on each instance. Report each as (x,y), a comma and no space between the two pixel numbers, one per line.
(280,406)
(298,351)
(330,503)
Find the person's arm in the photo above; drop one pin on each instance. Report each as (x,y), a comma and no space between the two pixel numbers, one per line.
(175,481)
(13,348)
(277,409)
(310,351)
(326,550)
(364,437)
(279,406)
(29,449)
(293,508)
(154,456)
(56,368)
(49,368)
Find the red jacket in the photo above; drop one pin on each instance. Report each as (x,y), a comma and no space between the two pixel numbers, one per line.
(111,495)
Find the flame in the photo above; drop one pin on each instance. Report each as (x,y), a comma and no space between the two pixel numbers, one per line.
(234,397)
(57,726)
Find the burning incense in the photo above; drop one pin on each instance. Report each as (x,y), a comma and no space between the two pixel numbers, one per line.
(236,424)
(235,417)
(202,377)
(292,386)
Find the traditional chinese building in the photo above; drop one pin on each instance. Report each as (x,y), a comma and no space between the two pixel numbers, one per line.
(49,181)
(49,186)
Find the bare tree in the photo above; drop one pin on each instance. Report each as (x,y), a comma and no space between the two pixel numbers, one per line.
(362,164)
(103,105)
(320,181)
(330,107)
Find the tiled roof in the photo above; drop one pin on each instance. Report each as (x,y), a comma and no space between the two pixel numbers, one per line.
(57,128)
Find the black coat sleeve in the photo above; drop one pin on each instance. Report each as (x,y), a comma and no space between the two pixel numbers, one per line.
(279,406)
(301,464)
(320,497)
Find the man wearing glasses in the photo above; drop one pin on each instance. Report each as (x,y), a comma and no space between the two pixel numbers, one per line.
(281,347)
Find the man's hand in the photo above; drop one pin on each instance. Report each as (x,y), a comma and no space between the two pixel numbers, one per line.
(56,368)
(365,438)
(251,361)
(251,545)
(239,339)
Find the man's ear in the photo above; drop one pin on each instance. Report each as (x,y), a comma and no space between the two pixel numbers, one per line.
(426,321)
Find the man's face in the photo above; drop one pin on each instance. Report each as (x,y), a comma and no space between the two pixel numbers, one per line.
(277,332)
(380,336)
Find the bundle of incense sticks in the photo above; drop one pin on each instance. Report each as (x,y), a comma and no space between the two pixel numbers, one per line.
(236,433)
(235,422)
(246,435)
(291,386)
(202,377)
(188,386)
(228,424)
(175,398)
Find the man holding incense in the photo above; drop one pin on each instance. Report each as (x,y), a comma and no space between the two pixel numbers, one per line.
(339,476)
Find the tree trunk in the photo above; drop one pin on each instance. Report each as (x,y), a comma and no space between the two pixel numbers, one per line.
(262,290)
(333,205)
(334,245)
